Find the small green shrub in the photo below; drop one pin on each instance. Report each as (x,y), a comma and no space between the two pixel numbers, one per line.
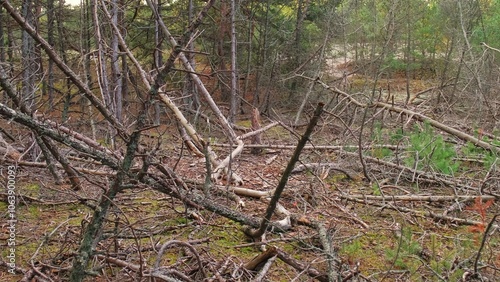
(488,158)
(378,138)
(352,249)
(403,254)
(430,151)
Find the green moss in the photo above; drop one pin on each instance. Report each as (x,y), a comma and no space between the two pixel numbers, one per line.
(34,212)
(32,187)
(277,132)
(244,123)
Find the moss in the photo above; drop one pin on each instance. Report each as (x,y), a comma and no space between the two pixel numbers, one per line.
(277,132)
(244,123)
(34,188)
(34,212)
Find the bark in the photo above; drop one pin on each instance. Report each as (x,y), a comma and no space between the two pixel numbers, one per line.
(49,160)
(6,150)
(257,138)
(49,84)
(116,74)
(300,266)
(47,148)
(331,256)
(86,54)
(2,36)
(72,174)
(233,110)
(190,91)
(28,56)
(91,234)
(41,129)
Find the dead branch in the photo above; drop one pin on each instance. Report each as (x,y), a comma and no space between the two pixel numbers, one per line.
(101,172)
(261,258)
(311,147)
(6,150)
(331,256)
(483,241)
(489,47)
(414,115)
(264,270)
(424,213)
(164,247)
(177,52)
(26,198)
(241,191)
(422,198)
(258,131)
(300,266)
(53,55)
(41,129)
(286,174)
(310,166)
(422,175)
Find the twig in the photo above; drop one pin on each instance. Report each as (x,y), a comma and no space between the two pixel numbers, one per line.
(420,198)
(311,271)
(46,239)
(483,241)
(489,47)
(303,167)
(41,202)
(163,248)
(426,213)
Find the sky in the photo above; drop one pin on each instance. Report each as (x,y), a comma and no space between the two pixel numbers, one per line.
(72,2)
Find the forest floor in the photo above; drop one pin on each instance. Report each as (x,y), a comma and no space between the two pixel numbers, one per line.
(399,225)
(375,238)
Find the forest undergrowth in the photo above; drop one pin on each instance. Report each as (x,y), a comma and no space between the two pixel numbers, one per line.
(422,208)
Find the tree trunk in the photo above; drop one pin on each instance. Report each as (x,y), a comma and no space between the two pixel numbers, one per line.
(190,91)
(2,37)
(233,110)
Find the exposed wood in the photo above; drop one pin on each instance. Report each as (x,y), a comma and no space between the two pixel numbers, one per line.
(6,150)
(222,166)
(261,258)
(264,270)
